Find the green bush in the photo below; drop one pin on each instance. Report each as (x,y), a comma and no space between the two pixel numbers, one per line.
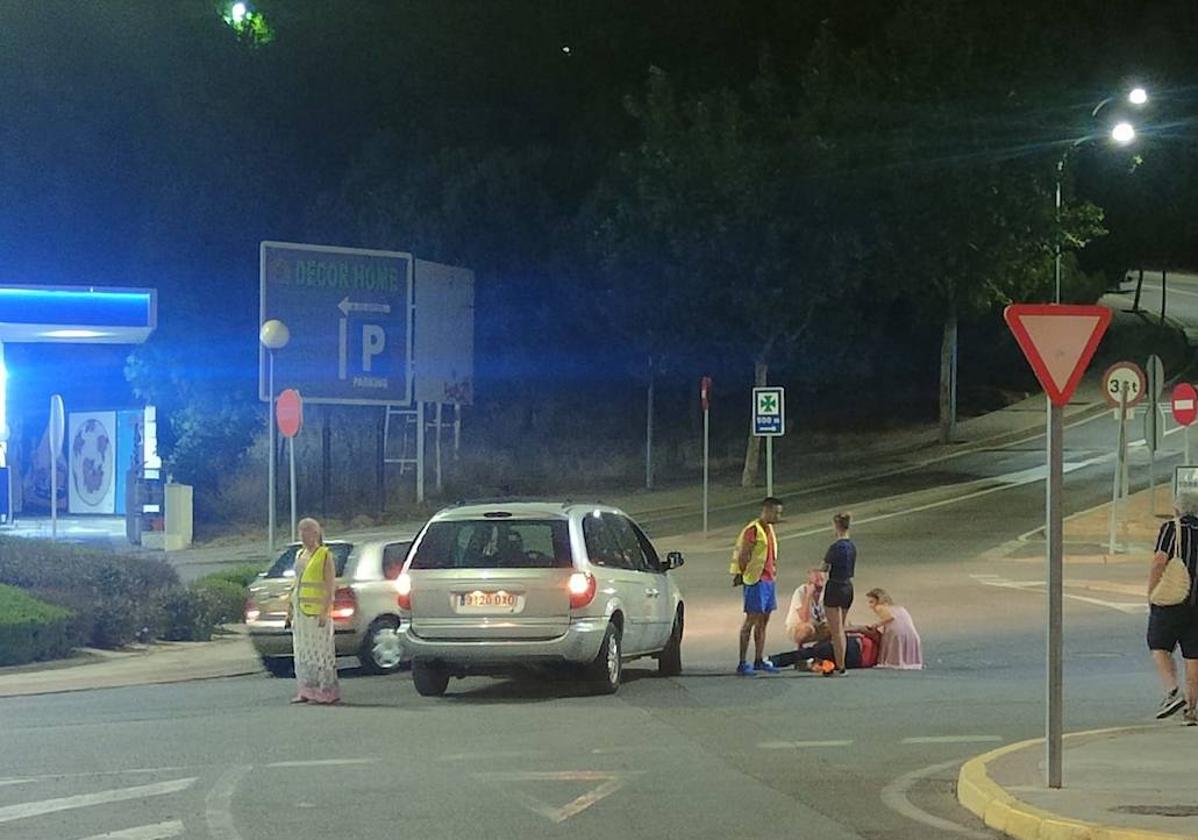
(30,630)
(187,615)
(243,576)
(226,599)
(114,598)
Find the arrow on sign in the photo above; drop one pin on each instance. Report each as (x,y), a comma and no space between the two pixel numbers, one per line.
(347,306)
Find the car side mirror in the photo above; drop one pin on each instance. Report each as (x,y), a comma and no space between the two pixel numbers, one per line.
(674,559)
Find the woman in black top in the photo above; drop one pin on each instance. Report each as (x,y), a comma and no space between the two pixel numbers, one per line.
(840,563)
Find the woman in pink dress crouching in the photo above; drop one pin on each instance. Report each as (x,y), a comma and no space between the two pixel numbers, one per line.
(901,648)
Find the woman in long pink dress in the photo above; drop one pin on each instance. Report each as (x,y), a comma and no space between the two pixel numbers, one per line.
(901,648)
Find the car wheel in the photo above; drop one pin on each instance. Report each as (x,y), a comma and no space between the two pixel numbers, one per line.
(669,661)
(603,674)
(382,649)
(279,666)
(430,680)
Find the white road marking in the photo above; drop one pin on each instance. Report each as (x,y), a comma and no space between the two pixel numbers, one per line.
(1126,607)
(324,762)
(951,739)
(481,756)
(1172,290)
(793,745)
(610,783)
(894,797)
(629,749)
(982,446)
(1008,482)
(159,831)
(24,810)
(7,782)
(218,804)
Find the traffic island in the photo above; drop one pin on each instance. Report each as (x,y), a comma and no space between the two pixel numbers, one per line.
(1130,783)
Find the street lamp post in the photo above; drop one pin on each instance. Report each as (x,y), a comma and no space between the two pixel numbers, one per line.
(1122,134)
(274,335)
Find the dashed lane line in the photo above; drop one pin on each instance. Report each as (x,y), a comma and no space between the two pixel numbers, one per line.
(951,739)
(798,745)
(158,831)
(24,810)
(218,804)
(324,762)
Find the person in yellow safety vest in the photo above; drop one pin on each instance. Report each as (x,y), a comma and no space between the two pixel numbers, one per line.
(754,565)
(311,609)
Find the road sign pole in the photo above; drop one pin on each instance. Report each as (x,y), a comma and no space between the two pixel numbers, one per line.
(419,452)
(1123,458)
(291,468)
(1118,468)
(1055,719)
(769,466)
(437,447)
(270,481)
(1185,436)
(706,463)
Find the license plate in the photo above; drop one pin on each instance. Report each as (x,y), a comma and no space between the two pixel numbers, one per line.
(478,600)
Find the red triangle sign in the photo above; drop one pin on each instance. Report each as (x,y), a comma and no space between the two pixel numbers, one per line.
(1058,341)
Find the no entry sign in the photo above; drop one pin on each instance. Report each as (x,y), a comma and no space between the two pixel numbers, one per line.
(289,413)
(1185,404)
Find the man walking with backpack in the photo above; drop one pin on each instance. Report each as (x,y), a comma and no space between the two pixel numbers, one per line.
(754,565)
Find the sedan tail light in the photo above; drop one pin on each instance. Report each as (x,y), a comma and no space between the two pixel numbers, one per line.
(345,604)
(582,589)
(251,610)
(403,590)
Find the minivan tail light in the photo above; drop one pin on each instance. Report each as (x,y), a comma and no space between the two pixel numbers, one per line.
(345,604)
(403,589)
(582,589)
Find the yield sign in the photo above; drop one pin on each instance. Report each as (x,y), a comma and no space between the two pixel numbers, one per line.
(1058,341)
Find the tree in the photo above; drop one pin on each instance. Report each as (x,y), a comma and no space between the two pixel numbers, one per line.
(938,113)
(715,212)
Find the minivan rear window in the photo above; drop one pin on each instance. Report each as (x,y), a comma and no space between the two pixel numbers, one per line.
(285,565)
(494,544)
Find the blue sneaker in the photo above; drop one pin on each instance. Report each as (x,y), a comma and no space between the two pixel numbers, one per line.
(767,667)
(744,669)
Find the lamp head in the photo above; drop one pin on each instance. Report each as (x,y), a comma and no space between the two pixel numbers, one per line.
(1123,133)
(274,335)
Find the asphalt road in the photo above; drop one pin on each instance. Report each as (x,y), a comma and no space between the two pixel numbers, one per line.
(705,755)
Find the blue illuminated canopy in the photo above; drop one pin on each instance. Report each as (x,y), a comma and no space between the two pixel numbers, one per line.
(77,314)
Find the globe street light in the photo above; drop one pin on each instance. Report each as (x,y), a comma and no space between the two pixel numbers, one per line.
(1122,134)
(273,335)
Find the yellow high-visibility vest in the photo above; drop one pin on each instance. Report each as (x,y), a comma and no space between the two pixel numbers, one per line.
(761,547)
(311,583)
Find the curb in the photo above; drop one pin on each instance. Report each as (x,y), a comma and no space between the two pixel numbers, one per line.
(1001,811)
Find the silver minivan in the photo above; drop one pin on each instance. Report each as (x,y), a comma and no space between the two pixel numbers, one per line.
(496,588)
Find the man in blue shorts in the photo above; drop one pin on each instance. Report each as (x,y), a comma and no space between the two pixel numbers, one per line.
(754,563)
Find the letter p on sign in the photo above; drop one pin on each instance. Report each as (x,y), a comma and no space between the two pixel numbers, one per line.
(374,341)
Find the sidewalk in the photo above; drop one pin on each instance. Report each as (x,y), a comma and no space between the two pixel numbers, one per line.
(1119,784)
(162,662)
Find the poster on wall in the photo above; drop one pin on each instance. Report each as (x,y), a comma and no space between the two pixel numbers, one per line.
(91,442)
